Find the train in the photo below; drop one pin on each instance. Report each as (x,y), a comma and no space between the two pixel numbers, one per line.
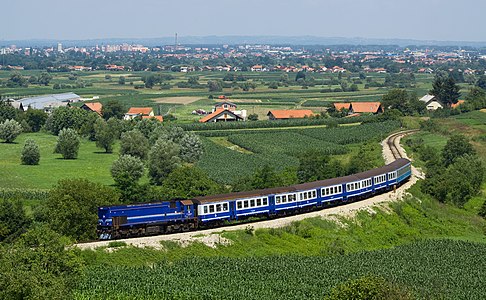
(134,220)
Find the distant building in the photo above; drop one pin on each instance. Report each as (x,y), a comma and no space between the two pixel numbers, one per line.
(47,102)
(158,118)
(459,103)
(289,114)
(135,112)
(431,103)
(59,47)
(226,105)
(360,107)
(93,106)
(221,115)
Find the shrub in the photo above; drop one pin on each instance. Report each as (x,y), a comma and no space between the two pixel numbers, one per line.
(9,130)
(30,153)
(67,144)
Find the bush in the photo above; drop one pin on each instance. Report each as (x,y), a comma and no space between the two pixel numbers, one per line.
(67,144)
(30,153)
(9,130)
(368,288)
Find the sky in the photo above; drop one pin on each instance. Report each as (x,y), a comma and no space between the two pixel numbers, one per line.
(442,20)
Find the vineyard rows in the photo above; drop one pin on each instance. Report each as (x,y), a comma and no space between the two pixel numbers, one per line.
(281,149)
(443,269)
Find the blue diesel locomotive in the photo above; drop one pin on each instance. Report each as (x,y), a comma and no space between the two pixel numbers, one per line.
(183,215)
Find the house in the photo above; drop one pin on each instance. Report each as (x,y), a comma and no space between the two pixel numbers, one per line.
(226,105)
(340,106)
(456,105)
(284,114)
(221,115)
(134,112)
(431,103)
(257,68)
(366,107)
(48,102)
(360,107)
(93,106)
(158,118)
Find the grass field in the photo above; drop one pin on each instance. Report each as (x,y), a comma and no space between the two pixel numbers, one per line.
(91,164)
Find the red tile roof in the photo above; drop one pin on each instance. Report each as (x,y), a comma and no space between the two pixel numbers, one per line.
(365,107)
(459,102)
(160,118)
(216,113)
(94,106)
(342,105)
(291,113)
(140,110)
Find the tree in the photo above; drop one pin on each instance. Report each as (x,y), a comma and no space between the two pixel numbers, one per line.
(66,117)
(44,78)
(134,143)
(9,130)
(273,85)
(7,111)
(30,153)
(463,179)
(191,148)
(113,109)
(72,207)
(266,177)
(127,170)
(446,90)
(215,86)
(361,161)
(13,220)
(481,82)
(188,182)
(105,135)
(67,144)
(38,266)
(36,118)
(300,75)
(121,80)
(163,159)
(317,166)
(456,146)
(17,80)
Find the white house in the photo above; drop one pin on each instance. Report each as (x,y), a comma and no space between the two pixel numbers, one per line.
(431,103)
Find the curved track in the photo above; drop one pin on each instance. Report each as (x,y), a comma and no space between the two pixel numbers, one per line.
(391,151)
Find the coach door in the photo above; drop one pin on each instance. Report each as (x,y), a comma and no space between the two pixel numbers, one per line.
(188,209)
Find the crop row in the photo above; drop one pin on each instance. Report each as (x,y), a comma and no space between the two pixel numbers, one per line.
(270,124)
(439,269)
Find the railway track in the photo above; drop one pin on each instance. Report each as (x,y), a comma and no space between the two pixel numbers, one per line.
(154,241)
(393,141)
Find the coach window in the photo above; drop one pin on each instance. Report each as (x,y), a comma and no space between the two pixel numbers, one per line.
(205,208)
(265,201)
(259,202)
(277,199)
(245,204)
(211,208)
(314,194)
(218,207)
(284,198)
(238,205)
(252,202)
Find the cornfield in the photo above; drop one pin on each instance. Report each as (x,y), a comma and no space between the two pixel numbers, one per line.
(441,269)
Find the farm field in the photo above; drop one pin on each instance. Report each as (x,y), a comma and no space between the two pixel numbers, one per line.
(182,101)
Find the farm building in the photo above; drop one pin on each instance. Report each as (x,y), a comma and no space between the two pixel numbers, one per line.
(158,118)
(360,107)
(46,102)
(285,114)
(93,106)
(221,115)
(134,112)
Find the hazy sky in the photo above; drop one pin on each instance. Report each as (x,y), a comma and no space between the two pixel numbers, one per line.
(462,20)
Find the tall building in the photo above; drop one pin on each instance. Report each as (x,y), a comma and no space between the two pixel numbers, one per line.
(59,47)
